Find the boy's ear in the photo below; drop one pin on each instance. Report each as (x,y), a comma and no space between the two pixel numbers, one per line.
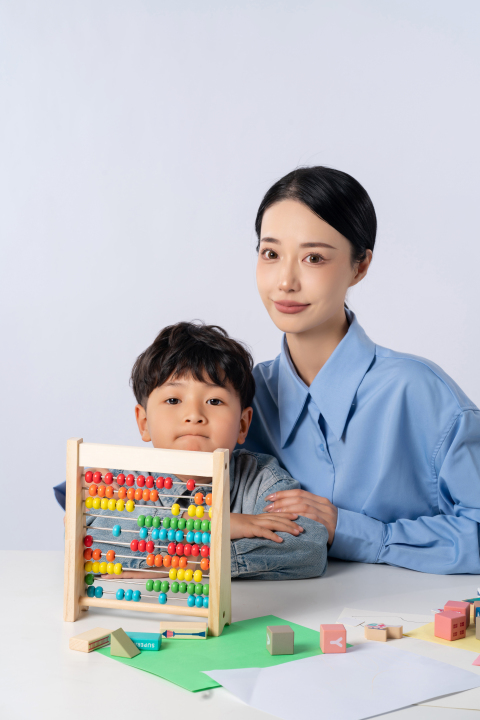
(245,420)
(141,418)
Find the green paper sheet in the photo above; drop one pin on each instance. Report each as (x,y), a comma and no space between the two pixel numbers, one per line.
(241,645)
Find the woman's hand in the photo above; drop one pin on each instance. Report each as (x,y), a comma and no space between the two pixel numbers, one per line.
(306,504)
(263,526)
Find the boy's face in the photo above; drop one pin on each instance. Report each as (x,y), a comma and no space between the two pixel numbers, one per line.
(186,414)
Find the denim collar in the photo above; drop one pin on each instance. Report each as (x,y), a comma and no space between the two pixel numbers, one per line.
(334,387)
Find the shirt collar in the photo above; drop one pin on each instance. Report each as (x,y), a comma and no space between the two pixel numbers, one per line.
(333,389)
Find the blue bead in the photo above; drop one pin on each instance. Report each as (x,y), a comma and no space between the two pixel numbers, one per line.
(199,601)
(205,538)
(205,602)
(179,536)
(128,594)
(162,598)
(198,537)
(136,595)
(190,536)
(163,534)
(143,533)
(98,591)
(116,530)
(90,591)
(120,594)
(191,601)
(155,534)
(171,535)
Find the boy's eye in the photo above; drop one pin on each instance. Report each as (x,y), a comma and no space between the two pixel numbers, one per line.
(172,401)
(269,254)
(215,401)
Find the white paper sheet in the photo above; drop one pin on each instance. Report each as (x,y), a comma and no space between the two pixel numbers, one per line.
(369,679)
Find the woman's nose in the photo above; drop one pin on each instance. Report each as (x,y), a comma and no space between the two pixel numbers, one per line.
(288,279)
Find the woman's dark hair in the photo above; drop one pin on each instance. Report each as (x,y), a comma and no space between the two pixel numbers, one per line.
(337,198)
(203,351)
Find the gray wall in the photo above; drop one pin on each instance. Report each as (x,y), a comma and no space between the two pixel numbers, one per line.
(137,139)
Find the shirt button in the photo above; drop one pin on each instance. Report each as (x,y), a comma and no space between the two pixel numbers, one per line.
(322,447)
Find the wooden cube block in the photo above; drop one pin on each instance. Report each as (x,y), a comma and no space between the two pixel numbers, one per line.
(90,640)
(280,639)
(450,625)
(333,638)
(376,632)
(459,606)
(394,632)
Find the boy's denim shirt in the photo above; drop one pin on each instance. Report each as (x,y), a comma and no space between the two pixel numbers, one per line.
(253,476)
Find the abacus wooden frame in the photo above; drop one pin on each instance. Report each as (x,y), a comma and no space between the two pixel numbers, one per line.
(175,462)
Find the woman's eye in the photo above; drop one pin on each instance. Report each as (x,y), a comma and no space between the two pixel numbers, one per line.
(172,401)
(269,254)
(314,259)
(214,401)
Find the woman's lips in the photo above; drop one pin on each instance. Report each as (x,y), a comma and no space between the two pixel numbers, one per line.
(289,308)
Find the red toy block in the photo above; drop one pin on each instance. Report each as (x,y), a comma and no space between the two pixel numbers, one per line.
(459,606)
(333,638)
(450,625)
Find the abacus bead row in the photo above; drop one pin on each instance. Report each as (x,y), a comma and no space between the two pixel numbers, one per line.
(120,479)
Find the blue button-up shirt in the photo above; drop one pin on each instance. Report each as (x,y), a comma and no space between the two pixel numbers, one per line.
(389,439)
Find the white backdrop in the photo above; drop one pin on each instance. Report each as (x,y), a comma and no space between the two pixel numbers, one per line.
(136,142)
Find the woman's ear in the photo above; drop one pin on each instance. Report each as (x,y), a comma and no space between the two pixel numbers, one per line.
(141,418)
(245,420)
(362,268)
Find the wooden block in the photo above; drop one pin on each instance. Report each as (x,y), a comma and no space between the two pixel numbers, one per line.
(90,640)
(459,606)
(394,631)
(121,645)
(376,632)
(477,627)
(183,630)
(450,625)
(280,640)
(333,638)
(476,610)
(146,641)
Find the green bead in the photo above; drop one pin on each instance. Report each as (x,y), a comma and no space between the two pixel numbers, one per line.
(148,521)
(182,523)
(149,585)
(166,522)
(197,524)
(141,520)
(89,579)
(191,588)
(174,523)
(183,587)
(190,524)
(156,521)
(206,589)
(174,587)
(209,526)
(198,589)
(205,525)
(157,585)
(165,586)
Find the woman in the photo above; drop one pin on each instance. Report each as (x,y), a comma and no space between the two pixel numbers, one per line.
(385,445)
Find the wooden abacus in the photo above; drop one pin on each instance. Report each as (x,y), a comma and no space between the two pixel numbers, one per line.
(214,465)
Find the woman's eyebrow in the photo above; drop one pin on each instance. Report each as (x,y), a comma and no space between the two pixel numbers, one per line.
(274,241)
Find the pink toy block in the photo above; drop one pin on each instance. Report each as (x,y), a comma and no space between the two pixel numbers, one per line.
(450,625)
(459,606)
(333,638)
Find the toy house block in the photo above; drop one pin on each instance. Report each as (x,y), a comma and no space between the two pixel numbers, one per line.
(90,640)
(459,606)
(477,627)
(280,639)
(394,632)
(146,641)
(183,630)
(376,632)
(333,638)
(476,611)
(121,645)
(450,625)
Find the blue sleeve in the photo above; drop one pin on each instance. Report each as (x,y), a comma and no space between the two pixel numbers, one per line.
(60,493)
(446,542)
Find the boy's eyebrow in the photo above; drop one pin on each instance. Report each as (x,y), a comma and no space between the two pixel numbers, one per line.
(174,383)
(274,241)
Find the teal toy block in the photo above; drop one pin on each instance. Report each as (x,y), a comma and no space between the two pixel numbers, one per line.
(146,641)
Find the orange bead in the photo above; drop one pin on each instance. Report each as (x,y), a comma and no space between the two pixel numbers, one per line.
(146,495)
(87,553)
(151,559)
(131,493)
(110,555)
(183,561)
(204,563)
(109,491)
(158,560)
(208,499)
(154,495)
(101,490)
(167,561)
(138,494)
(199,498)
(92,490)
(175,561)
(122,493)
(97,554)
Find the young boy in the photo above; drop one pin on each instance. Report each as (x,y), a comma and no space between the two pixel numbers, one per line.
(194,389)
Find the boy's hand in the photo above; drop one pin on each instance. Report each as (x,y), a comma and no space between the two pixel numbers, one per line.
(250,526)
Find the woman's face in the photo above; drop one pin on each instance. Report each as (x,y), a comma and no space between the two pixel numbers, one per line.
(304,267)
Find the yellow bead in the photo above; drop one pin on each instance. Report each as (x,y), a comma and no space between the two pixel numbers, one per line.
(188,575)
(176,509)
(110,567)
(103,567)
(96,567)
(197,576)
(117,568)
(180,574)
(120,504)
(192,510)
(130,506)
(210,513)
(199,511)
(104,503)
(96,503)
(112,504)
(88,566)
(89,502)
(172,574)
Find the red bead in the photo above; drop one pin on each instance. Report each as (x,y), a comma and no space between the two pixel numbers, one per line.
(142,545)
(87,553)
(108,479)
(168,483)
(121,479)
(191,484)
(158,560)
(150,559)
(199,498)
(180,549)
(171,548)
(146,495)
(154,495)
(187,549)
(110,556)
(131,493)
(195,550)
(138,493)
(88,476)
(150,546)
(134,545)
(205,551)
(160,482)
(122,493)
(130,480)
(149,481)
(88,541)
(140,481)
(97,477)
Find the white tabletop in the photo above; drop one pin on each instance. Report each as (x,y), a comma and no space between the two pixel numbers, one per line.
(42,678)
